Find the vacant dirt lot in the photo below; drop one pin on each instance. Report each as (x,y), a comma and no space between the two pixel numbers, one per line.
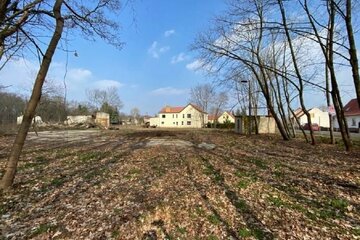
(162,184)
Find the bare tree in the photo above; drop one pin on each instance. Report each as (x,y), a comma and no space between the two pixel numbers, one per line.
(202,96)
(98,97)
(90,18)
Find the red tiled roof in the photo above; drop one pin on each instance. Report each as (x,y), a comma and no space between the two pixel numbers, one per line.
(211,117)
(169,109)
(352,108)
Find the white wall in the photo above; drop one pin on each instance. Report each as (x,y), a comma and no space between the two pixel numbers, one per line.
(225,116)
(350,121)
(182,120)
(317,116)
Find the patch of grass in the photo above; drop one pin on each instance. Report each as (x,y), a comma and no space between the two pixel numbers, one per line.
(213,173)
(214,219)
(57,182)
(259,163)
(241,205)
(339,204)
(278,174)
(256,232)
(36,163)
(117,211)
(94,173)
(133,173)
(356,231)
(276,201)
(43,228)
(242,184)
(181,230)
(212,237)
(115,234)
(244,232)
(199,211)
(91,156)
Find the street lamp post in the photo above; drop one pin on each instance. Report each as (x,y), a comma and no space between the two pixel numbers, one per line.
(249,93)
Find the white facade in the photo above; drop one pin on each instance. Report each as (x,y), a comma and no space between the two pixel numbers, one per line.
(226,116)
(317,116)
(352,122)
(188,117)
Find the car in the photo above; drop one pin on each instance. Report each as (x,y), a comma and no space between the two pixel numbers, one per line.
(314,127)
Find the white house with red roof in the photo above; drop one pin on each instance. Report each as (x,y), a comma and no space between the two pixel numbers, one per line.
(189,116)
(352,115)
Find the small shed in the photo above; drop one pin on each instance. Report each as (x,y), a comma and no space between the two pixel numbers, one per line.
(266,124)
(103,119)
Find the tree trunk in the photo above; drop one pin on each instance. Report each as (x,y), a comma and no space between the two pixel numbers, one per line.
(352,50)
(297,71)
(335,93)
(13,159)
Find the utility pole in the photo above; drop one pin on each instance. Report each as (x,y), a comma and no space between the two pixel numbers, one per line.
(249,93)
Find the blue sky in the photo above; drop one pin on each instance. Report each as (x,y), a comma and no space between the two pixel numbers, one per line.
(155,66)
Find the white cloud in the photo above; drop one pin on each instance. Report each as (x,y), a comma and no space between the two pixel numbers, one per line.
(169,91)
(195,65)
(20,74)
(155,51)
(168,33)
(106,83)
(179,58)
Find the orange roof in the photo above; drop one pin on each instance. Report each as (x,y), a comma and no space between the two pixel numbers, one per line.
(211,117)
(169,109)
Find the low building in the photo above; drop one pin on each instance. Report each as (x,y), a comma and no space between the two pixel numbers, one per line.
(317,116)
(189,116)
(352,116)
(103,119)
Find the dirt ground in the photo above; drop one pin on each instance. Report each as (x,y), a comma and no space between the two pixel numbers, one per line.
(178,184)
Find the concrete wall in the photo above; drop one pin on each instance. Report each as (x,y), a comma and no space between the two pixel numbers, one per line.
(267,125)
(103,119)
(37,120)
(78,119)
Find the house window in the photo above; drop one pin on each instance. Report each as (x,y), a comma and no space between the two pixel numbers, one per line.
(177,123)
(162,123)
(183,115)
(182,122)
(188,115)
(173,115)
(188,122)
(176,116)
(312,115)
(353,122)
(174,123)
(163,116)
